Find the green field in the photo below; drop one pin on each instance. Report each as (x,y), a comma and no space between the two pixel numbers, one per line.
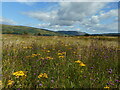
(59,62)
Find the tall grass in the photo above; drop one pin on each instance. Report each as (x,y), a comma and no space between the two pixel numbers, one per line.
(56,57)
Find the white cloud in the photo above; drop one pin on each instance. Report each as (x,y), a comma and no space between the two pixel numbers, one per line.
(7,21)
(88,15)
(111,13)
(69,13)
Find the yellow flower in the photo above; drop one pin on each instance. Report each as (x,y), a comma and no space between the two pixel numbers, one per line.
(30,47)
(10,82)
(19,73)
(43,75)
(106,87)
(82,64)
(78,61)
(61,56)
(59,53)
(63,53)
(74,52)
(48,51)
(49,58)
(0,83)
(40,75)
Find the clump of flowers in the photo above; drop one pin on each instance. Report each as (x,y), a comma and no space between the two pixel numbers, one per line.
(0,83)
(80,63)
(50,58)
(19,73)
(10,82)
(62,53)
(29,47)
(44,75)
(61,56)
(33,55)
(106,87)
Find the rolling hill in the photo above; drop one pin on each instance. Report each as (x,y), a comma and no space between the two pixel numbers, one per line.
(10,29)
(72,33)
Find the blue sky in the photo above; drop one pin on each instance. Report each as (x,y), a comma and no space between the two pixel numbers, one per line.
(86,17)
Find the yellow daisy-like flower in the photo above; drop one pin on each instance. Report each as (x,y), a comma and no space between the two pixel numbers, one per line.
(106,87)
(78,61)
(43,75)
(48,51)
(40,75)
(10,82)
(59,53)
(82,64)
(0,83)
(61,56)
(49,58)
(19,73)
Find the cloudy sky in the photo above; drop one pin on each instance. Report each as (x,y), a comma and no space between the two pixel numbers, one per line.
(90,17)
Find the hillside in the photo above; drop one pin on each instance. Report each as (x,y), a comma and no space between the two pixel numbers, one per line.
(10,29)
(73,33)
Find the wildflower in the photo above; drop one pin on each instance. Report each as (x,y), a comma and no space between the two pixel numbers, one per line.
(0,82)
(48,51)
(40,75)
(52,81)
(10,82)
(92,67)
(49,58)
(78,61)
(43,75)
(106,87)
(42,58)
(82,64)
(30,47)
(19,73)
(61,56)
(40,84)
(74,52)
(59,53)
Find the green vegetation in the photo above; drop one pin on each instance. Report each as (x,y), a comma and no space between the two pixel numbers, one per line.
(60,62)
(10,29)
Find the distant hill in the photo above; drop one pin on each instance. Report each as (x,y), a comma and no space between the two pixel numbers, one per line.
(106,34)
(10,29)
(72,33)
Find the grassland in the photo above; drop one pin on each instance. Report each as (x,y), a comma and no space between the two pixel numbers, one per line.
(60,62)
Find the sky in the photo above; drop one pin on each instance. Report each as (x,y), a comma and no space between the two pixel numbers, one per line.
(89,17)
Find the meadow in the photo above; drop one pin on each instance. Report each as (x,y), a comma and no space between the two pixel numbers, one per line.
(59,62)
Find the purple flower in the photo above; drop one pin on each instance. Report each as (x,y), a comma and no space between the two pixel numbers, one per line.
(109,72)
(112,84)
(117,81)
(34,73)
(40,84)
(52,81)
(92,67)
(85,76)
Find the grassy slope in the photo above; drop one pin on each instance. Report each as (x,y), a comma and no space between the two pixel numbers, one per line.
(30,30)
(99,55)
